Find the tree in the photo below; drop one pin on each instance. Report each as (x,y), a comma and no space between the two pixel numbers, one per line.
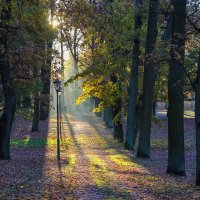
(7,83)
(45,77)
(116,110)
(46,68)
(36,105)
(132,101)
(150,71)
(176,157)
(24,30)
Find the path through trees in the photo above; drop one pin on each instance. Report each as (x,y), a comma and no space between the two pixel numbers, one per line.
(92,166)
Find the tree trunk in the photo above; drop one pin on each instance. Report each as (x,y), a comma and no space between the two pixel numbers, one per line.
(108,117)
(36,114)
(45,94)
(154,108)
(197,123)
(76,89)
(118,125)
(62,69)
(150,71)
(75,55)
(91,104)
(116,112)
(133,86)
(6,120)
(176,154)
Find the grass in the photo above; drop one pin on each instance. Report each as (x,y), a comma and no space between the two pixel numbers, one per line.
(35,142)
(103,178)
(123,160)
(98,170)
(68,162)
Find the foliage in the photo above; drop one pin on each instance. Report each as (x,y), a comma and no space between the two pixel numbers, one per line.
(30,31)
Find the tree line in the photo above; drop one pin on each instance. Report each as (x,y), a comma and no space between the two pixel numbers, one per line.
(131,54)
(26,39)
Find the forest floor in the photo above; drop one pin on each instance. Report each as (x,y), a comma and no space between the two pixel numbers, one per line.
(93,166)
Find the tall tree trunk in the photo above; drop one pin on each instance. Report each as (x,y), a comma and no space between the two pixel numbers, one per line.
(108,117)
(91,104)
(118,125)
(6,120)
(116,111)
(176,154)
(62,70)
(150,71)
(76,89)
(46,76)
(36,114)
(197,123)
(133,86)
(75,55)
(154,108)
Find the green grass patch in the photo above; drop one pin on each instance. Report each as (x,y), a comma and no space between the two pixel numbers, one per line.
(93,140)
(72,162)
(35,142)
(106,141)
(103,179)
(123,160)
(98,171)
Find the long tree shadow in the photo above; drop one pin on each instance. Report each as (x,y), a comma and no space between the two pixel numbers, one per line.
(72,134)
(94,169)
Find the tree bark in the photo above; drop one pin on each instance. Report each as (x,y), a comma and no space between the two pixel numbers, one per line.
(62,69)
(116,112)
(6,120)
(75,55)
(36,114)
(150,71)
(118,126)
(154,108)
(176,154)
(133,86)
(76,89)
(46,76)
(197,123)
(108,117)
(91,104)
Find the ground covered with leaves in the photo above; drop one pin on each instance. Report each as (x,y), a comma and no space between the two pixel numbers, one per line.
(93,166)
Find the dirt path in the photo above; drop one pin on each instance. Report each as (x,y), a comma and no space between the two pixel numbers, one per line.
(104,170)
(100,172)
